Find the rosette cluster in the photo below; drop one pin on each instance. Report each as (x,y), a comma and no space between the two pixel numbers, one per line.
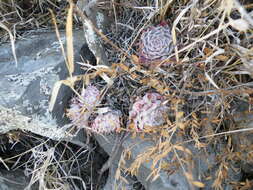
(106,122)
(81,107)
(148,111)
(155,44)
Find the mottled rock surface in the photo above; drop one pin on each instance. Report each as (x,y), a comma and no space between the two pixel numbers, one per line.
(13,180)
(175,181)
(26,89)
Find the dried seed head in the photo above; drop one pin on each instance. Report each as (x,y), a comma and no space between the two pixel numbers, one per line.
(148,111)
(156,44)
(107,122)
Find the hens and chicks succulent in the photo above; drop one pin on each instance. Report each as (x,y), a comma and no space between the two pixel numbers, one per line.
(155,44)
(147,111)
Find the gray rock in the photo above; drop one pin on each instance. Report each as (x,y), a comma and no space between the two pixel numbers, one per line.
(13,180)
(95,18)
(108,143)
(243,140)
(25,90)
(174,181)
(204,164)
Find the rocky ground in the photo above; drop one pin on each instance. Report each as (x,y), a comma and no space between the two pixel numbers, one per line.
(171,113)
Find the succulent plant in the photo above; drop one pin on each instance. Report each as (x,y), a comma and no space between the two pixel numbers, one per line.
(106,122)
(148,111)
(155,44)
(80,108)
(90,96)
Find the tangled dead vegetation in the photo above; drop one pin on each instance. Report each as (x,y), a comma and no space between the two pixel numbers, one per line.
(208,78)
(205,82)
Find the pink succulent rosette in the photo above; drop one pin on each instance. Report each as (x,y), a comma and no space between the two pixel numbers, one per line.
(107,122)
(148,111)
(90,96)
(80,108)
(155,44)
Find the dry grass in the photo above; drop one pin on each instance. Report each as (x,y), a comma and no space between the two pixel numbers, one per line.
(206,79)
(58,167)
(209,76)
